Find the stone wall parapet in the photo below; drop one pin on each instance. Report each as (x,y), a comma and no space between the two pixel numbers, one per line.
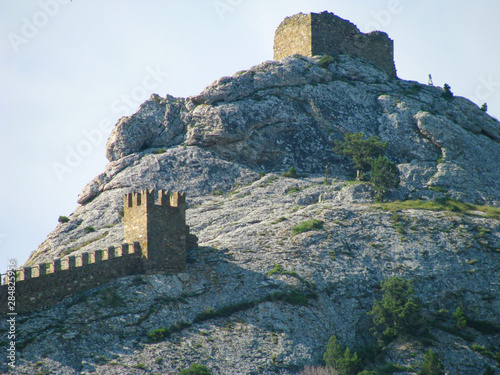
(156,240)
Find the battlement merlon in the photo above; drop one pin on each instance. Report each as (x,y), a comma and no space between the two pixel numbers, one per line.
(147,197)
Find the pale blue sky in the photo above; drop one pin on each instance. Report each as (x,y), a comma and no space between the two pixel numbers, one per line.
(72,68)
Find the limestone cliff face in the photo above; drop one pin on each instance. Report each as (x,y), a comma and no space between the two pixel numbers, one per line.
(235,315)
(289,113)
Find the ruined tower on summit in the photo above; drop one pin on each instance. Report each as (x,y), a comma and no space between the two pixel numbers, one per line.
(326,34)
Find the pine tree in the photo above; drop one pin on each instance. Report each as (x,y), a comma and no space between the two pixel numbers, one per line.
(397,312)
(447,94)
(460,318)
(340,359)
(432,364)
(384,175)
(362,151)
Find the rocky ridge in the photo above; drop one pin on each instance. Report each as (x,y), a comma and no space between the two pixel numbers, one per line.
(230,311)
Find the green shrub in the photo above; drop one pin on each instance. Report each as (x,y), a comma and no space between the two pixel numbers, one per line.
(384,175)
(279,220)
(196,369)
(486,328)
(159,151)
(89,229)
(487,352)
(447,94)
(278,268)
(362,151)
(292,173)
(438,189)
(307,226)
(460,318)
(217,192)
(63,219)
(442,204)
(432,364)
(341,359)
(484,107)
(325,61)
(159,334)
(397,312)
(298,299)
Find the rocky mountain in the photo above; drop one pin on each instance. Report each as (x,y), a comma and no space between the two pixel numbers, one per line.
(261,296)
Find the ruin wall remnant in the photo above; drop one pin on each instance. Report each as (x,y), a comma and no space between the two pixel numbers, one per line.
(324,33)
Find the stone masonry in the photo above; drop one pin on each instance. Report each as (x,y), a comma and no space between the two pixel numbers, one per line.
(156,237)
(326,34)
(160,228)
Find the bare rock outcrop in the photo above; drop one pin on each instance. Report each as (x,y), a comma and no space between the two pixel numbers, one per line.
(288,113)
(258,295)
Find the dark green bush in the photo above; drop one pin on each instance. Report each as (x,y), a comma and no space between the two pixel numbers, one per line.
(362,151)
(341,359)
(384,175)
(89,229)
(299,299)
(292,173)
(397,312)
(308,225)
(196,369)
(159,334)
(447,94)
(63,219)
(432,364)
(486,328)
(460,318)
(217,192)
(484,107)
(325,61)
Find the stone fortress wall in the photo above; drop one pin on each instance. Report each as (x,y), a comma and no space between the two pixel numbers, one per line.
(326,34)
(156,237)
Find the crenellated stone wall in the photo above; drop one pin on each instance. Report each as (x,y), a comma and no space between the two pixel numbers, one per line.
(326,34)
(156,236)
(48,283)
(158,223)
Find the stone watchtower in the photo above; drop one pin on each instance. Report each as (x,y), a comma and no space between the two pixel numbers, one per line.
(159,225)
(326,34)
